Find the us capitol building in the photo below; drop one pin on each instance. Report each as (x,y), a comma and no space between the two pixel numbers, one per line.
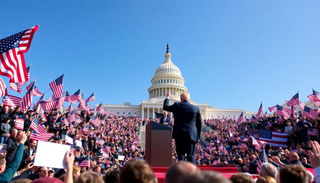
(168,76)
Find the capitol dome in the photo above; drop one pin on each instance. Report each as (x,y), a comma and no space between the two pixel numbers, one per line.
(167,76)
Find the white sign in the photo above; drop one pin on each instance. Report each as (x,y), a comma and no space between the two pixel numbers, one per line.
(51,154)
(3,148)
(120,158)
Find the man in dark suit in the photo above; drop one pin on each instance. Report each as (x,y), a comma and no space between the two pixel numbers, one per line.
(164,119)
(187,125)
(28,154)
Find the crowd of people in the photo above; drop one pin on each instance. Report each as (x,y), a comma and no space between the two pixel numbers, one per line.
(114,146)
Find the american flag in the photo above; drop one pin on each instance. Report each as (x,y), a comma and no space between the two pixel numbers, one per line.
(12,60)
(314,97)
(37,127)
(40,100)
(59,102)
(3,88)
(95,121)
(40,137)
(240,119)
(91,98)
(302,105)
(258,143)
(253,119)
(294,100)
(282,111)
(67,97)
(70,108)
(308,112)
(76,96)
(106,149)
(85,162)
(27,98)
(100,141)
(28,71)
(16,87)
(265,114)
(12,101)
(65,121)
(260,111)
(262,159)
(56,86)
(19,124)
(36,92)
(274,108)
(275,139)
(72,115)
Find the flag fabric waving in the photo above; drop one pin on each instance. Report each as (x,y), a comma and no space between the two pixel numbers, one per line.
(253,119)
(56,86)
(275,139)
(314,98)
(12,60)
(294,100)
(16,87)
(27,98)
(308,112)
(28,76)
(258,143)
(95,121)
(85,162)
(262,159)
(240,119)
(260,111)
(91,98)
(12,101)
(37,127)
(19,124)
(3,88)
(282,111)
(35,90)
(265,114)
(76,96)
(40,137)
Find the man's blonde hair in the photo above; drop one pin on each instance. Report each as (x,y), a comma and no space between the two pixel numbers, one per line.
(185,96)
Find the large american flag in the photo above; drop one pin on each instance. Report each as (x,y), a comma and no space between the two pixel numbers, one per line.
(56,86)
(275,139)
(27,98)
(12,60)
(262,159)
(3,88)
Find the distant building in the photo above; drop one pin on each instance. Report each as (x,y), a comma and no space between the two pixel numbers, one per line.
(168,76)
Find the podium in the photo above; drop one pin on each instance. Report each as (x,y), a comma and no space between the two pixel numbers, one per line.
(158,146)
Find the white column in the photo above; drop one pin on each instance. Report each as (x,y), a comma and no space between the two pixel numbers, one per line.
(152,112)
(205,113)
(148,113)
(142,113)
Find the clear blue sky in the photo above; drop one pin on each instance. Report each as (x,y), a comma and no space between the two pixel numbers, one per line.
(232,54)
